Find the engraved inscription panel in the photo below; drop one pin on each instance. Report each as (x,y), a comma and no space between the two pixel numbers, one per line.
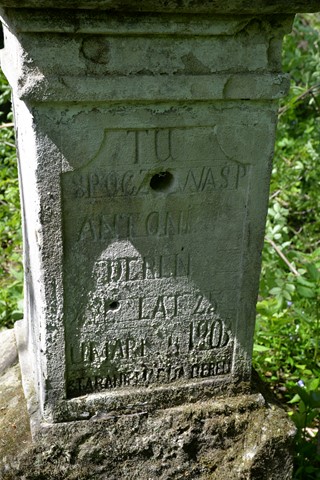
(154,227)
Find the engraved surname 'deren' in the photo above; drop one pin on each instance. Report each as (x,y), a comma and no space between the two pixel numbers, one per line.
(210,369)
(131,269)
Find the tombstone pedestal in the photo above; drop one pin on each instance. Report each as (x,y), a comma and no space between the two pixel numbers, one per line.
(244,436)
(145,133)
(241,437)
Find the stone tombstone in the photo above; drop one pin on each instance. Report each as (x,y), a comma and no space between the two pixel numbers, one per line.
(145,132)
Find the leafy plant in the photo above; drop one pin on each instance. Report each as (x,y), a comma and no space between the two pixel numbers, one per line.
(307,458)
(287,329)
(11,277)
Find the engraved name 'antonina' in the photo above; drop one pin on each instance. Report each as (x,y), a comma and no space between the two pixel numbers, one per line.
(102,184)
(163,223)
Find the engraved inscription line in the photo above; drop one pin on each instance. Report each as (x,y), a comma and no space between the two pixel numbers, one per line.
(111,184)
(144,376)
(131,269)
(132,225)
(204,335)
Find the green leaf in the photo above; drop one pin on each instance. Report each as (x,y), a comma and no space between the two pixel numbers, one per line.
(290,287)
(303,394)
(315,399)
(260,348)
(295,399)
(302,281)
(275,290)
(16,315)
(305,292)
(313,271)
(313,384)
(286,295)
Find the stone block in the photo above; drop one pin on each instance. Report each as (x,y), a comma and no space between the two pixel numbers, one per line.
(9,354)
(145,144)
(244,437)
(145,133)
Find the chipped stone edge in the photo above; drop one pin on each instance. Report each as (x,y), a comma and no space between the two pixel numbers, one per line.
(249,86)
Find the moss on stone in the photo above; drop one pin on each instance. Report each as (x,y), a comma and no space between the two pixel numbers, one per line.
(243,437)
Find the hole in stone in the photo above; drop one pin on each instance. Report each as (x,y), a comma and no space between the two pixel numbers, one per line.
(114,305)
(161,182)
(192,448)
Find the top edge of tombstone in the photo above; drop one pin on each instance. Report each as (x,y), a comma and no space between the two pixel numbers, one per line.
(178,6)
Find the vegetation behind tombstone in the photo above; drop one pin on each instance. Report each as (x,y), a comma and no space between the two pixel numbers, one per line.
(288,322)
(287,338)
(11,275)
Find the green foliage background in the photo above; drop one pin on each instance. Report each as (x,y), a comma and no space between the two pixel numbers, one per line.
(11,275)
(287,338)
(288,325)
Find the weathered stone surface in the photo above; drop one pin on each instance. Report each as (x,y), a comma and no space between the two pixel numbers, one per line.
(247,437)
(14,418)
(145,147)
(15,433)
(190,6)
(176,58)
(9,353)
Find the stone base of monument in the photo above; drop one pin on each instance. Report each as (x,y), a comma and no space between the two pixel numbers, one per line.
(245,436)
